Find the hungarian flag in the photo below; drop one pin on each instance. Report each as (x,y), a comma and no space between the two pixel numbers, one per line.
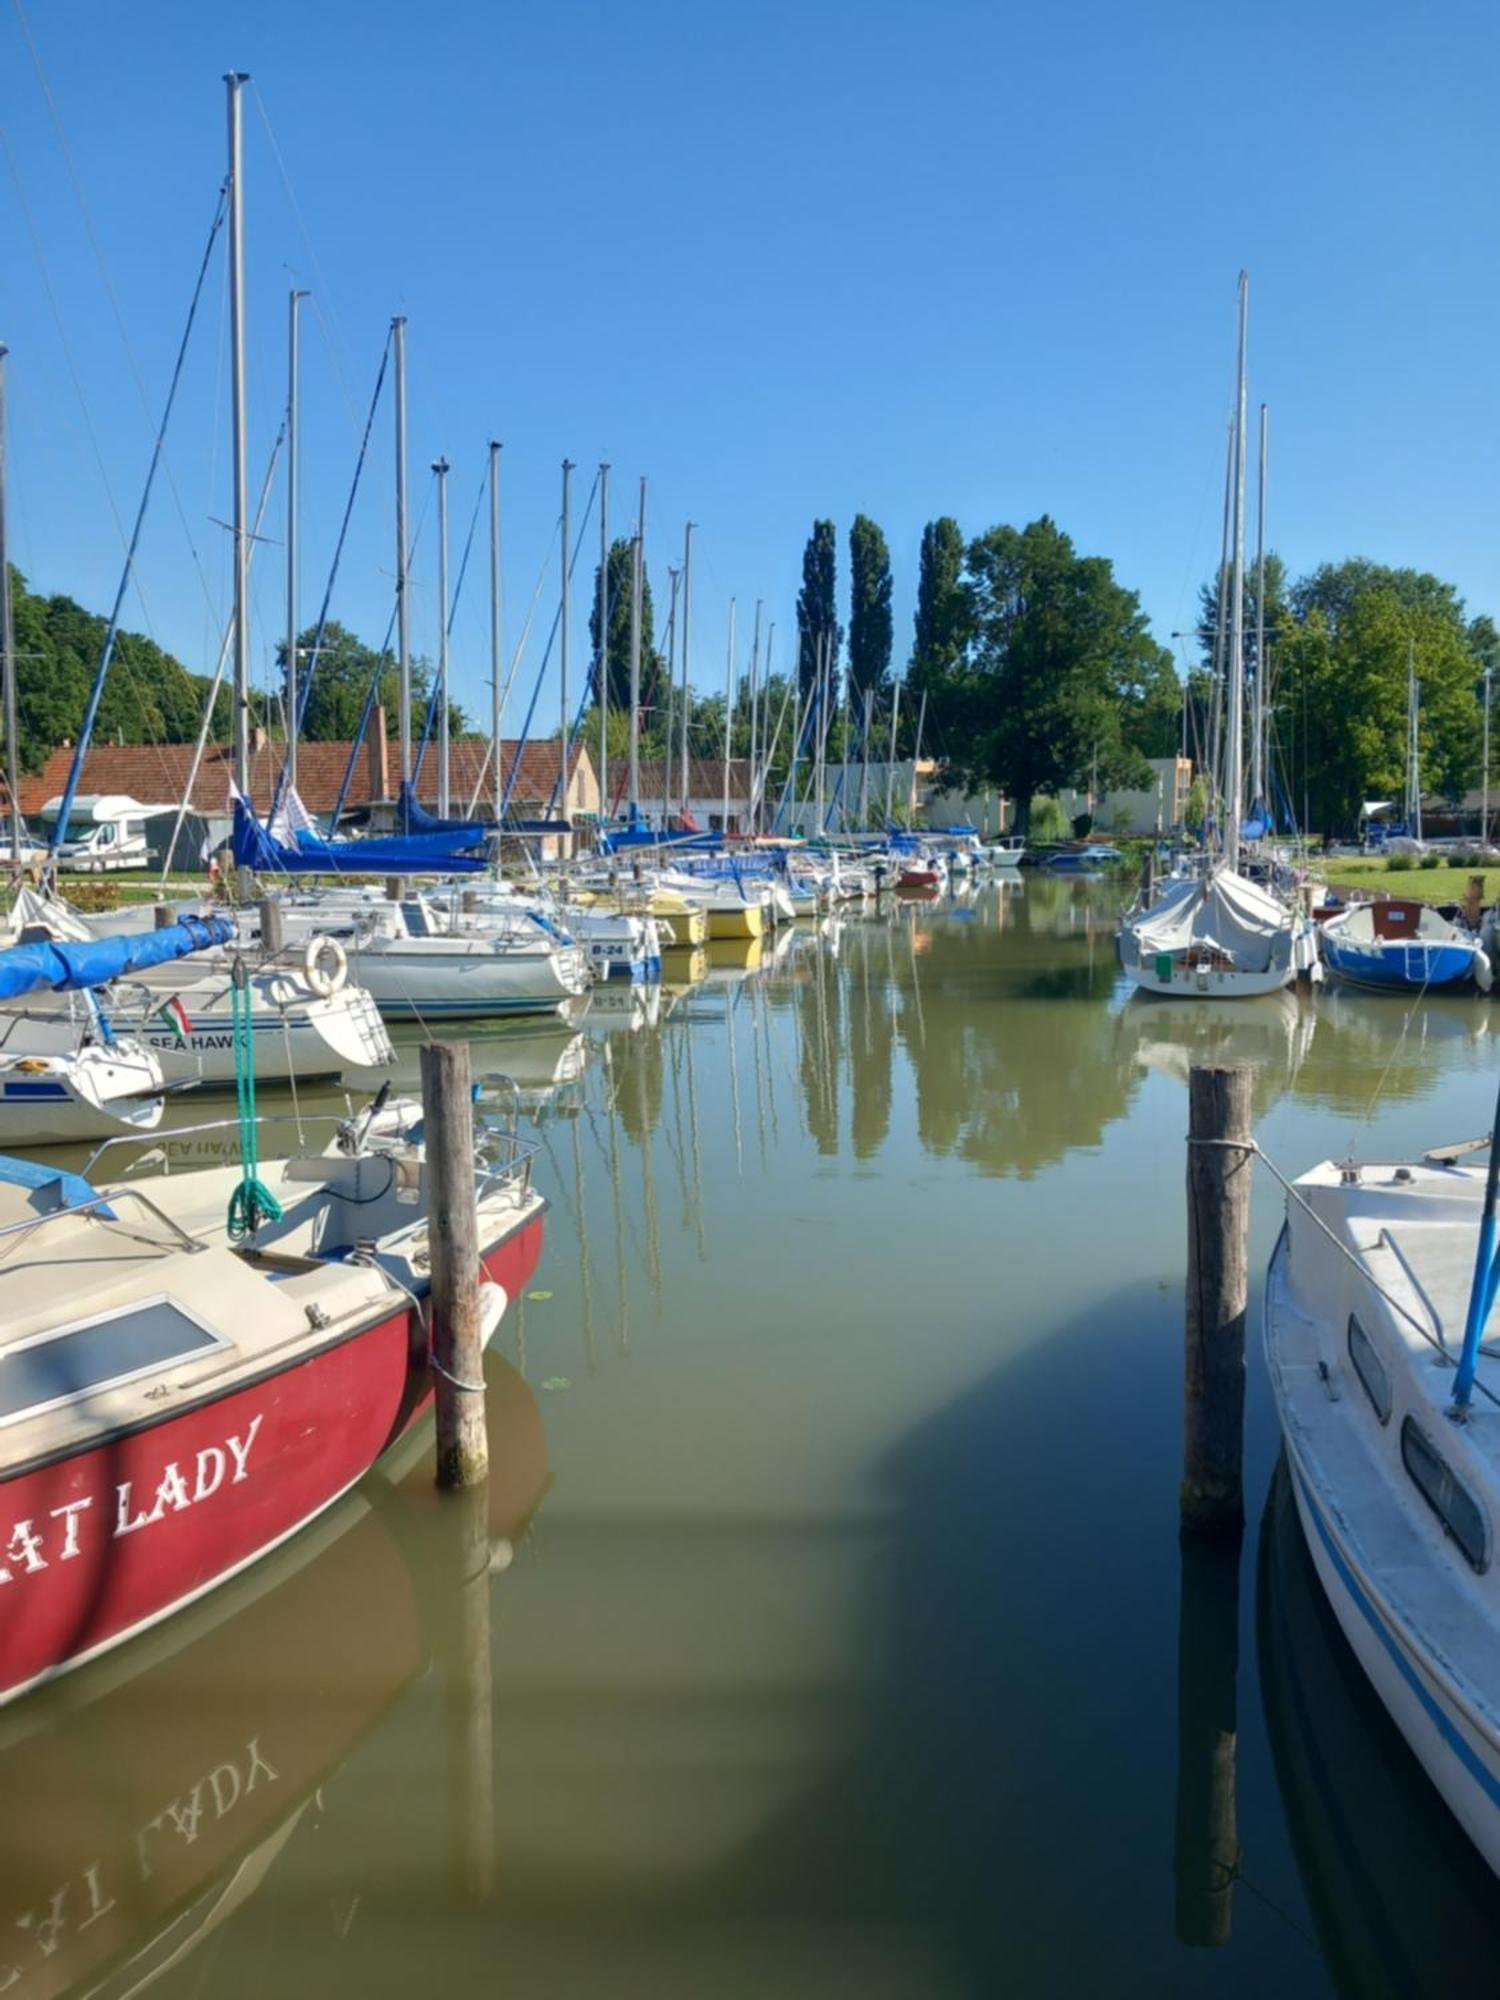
(174,1016)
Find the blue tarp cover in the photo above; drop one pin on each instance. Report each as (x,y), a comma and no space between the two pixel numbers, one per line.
(393,855)
(62,966)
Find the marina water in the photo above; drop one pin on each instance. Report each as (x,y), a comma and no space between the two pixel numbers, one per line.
(827,1629)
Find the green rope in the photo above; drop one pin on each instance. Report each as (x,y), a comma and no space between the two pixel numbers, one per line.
(252,1202)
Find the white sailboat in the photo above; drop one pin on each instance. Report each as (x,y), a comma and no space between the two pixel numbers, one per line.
(1378,1306)
(1223,936)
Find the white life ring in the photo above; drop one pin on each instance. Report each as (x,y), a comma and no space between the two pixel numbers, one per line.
(324,966)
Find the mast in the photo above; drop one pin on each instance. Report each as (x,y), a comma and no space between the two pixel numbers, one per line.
(1217,670)
(1413,743)
(8,652)
(236,82)
(754,709)
(890,769)
(564,637)
(293,496)
(1258,739)
(864,764)
(767,745)
(497,696)
(637,617)
(403,608)
(1235,754)
(687,629)
(675,576)
(728,715)
(601,689)
(440,469)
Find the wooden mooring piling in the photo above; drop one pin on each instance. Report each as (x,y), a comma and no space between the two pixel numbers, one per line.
(1220,1170)
(453,1238)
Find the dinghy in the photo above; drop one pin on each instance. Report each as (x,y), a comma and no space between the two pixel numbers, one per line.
(1388,1390)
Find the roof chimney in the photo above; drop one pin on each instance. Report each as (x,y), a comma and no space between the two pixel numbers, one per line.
(377,752)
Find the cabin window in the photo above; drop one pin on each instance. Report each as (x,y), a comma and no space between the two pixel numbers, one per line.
(62,1367)
(1370,1369)
(1455,1506)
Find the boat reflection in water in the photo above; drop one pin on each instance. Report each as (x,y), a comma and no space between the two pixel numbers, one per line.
(148,1797)
(1402,1901)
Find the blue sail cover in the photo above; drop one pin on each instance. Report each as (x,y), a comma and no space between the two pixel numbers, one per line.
(397,854)
(64,967)
(475,832)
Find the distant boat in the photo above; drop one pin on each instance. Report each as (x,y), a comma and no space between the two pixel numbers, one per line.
(1089,857)
(1377,1306)
(1399,945)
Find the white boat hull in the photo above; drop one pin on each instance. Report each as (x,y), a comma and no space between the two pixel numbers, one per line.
(446,979)
(91,1094)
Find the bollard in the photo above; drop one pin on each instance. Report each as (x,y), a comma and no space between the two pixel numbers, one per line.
(395,888)
(163,917)
(1219,1173)
(453,1241)
(272,929)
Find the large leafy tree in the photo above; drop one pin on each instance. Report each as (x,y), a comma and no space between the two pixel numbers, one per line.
(819,634)
(942,605)
(619,584)
(869,610)
(1058,651)
(149,697)
(339,685)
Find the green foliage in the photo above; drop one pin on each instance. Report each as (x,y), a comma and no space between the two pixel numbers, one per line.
(1083,825)
(942,606)
(819,634)
(1432,860)
(149,697)
(1048,820)
(1195,809)
(869,611)
(1058,651)
(340,683)
(620,589)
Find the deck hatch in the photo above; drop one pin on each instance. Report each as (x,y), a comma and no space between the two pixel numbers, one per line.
(1370,1369)
(1455,1506)
(116,1347)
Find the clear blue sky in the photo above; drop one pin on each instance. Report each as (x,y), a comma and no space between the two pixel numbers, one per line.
(786,260)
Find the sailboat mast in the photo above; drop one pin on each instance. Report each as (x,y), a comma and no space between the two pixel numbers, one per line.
(768,746)
(890,768)
(754,709)
(637,616)
(674,576)
(687,628)
(1217,670)
(1258,740)
(1413,743)
(440,471)
(1235,755)
(8,651)
(403,608)
(564,640)
(601,689)
(728,716)
(497,692)
(293,497)
(236,82)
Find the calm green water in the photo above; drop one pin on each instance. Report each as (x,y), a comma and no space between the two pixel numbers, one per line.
(836,1638)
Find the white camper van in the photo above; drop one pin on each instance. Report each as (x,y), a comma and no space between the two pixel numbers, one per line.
(105,831)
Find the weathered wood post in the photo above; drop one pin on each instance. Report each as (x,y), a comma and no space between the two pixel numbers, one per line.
(395,888)
(272,926)
(469,902)
(163,916)
(468,1703)
(1220,1170)
(453,1240)
(1148,876)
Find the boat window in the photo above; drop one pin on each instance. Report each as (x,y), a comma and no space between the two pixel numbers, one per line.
(61,1367)
(1455,1506)
(1370,1369)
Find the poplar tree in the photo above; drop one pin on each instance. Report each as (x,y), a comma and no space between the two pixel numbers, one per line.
(869,610)
(618,586)
(942,605)
(819,634)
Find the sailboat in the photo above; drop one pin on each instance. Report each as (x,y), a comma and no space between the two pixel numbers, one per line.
(1378,1306)
(1220,935)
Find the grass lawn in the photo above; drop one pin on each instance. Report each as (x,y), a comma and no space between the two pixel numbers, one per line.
(1427,885)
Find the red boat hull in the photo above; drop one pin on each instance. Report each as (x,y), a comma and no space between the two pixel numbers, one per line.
(99,1545)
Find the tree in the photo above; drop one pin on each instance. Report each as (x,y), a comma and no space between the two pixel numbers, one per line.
(620,585)
(942,605)
(819,634)
(149,697)
(1057,646)
(338,686)
(869,611)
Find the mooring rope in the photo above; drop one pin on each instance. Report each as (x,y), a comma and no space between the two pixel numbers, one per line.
(252,1202)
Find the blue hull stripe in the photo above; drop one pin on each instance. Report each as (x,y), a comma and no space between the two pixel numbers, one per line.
(1456,1741)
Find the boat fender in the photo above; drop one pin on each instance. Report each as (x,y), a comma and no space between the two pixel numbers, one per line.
(324,966)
